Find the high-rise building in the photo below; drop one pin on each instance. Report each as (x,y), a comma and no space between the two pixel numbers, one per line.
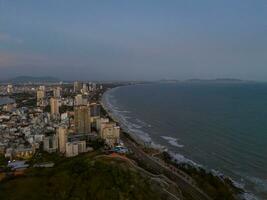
(82,119)
(62,138)
(9,89)
(94,86)
(101,121)
(42,87)
(40,94)
(77,86)
(94,109)
(54,105)
(80,100)
(85,89)
(74,148)
(110,132)
(50,143)
(57,92)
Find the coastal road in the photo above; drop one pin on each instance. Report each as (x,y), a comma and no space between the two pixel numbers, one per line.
(189,190)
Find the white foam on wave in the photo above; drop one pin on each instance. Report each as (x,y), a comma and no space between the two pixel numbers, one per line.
(142,123)
(249,196)
(141,136)
(173,141)
(259,185)
(122,117)
(180,159)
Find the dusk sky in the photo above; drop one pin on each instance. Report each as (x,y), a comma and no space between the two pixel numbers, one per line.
(134,40)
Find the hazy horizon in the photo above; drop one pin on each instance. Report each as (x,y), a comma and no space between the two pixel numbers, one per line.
(7,80)
(137,40)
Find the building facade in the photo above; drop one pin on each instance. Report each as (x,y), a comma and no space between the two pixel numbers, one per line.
(110,132)
(74,148)
(82,119)
(77,86)
(50,143)
(57,92)
(54,105)
(62,138)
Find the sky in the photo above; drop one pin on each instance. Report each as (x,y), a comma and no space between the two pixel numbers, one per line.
(134,39)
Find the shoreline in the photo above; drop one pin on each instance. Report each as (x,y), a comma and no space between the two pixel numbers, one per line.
(7,100)
(240,192)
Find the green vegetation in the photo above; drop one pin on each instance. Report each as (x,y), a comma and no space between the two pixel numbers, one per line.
(97,143)
(217,188)
(24,99)
(3,163)
(42,157)
(47,109)
(3,160)
(64,108)
(80,178)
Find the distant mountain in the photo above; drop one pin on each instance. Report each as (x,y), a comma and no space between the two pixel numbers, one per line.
(34,79)
(220,80)
(168,81)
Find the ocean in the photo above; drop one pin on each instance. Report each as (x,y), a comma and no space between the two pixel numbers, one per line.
(221,127)
(5,100)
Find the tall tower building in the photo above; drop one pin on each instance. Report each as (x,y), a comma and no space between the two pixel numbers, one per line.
(50,144)
(9,89)
(82,119)
(110,132)
(54,105)
(42,87)
(80,100)
(94,110)
(57,92)
(40,94)
(62,138)
(77,86)
(85,89)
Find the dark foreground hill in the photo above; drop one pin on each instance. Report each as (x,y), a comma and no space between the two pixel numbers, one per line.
(86,177)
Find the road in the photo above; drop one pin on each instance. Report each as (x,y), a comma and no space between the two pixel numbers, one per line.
(188,188)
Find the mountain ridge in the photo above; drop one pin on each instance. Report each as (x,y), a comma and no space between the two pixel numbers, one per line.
(39,79)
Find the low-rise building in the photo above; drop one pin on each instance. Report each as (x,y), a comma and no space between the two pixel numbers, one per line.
(24,153)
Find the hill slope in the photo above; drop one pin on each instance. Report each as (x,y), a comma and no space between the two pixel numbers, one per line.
(84,177)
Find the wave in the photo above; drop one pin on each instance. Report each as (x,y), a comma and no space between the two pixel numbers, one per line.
(173,141)
(134,129)
(121,116)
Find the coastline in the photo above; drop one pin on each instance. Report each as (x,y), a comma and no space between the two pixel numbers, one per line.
(143,141)
(182,163)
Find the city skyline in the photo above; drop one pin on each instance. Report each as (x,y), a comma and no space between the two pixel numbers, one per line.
(138,40)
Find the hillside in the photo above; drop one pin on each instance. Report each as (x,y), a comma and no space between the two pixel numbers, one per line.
(89,176)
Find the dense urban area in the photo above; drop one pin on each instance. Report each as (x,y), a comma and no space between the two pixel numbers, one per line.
(57,141)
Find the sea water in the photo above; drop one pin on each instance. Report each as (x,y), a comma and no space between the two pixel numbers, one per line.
(222,127)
